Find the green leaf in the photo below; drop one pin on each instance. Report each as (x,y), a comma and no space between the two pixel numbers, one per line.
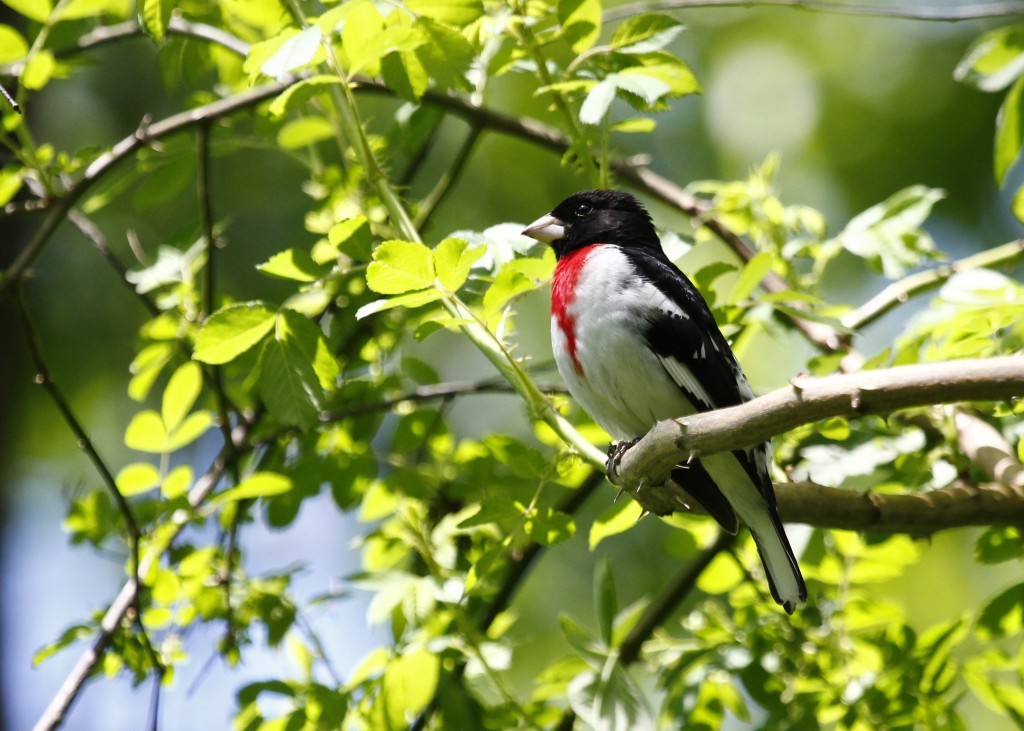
(69,636)
(181,393)
(721,575)
(459,13)
(1017,207)
(548,526)
(231,331)
(994,60)
(295,367)
(1002,615)
(453,259)
(610,701)
(399,267)
(300,93)
(597,102)
(409,683)
(605,599)
(146,432)
(353,238)
(1009,130)
(581,23)
(164,183)
(514,278)
(137,478)
(38,70)
(396,39)
(645,33)
(12,44)
(617,518)
(37,10)
(293,264)
(410,301)
(406,75)
(362,23)
(154,15)
(194,426)
(304,132)
(647,86)
(177,482)
(888,236)
(257,485)
(998,544)
(10,180)
(750,278)
(296,52)
(636,125)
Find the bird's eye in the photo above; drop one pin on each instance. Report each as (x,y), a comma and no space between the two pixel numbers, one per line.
(583,209)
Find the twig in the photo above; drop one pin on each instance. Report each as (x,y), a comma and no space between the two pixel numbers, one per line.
(665,604)
(661,609)
(92,232)
(923,12)
(901,291)
(431,393)
(521,565)
(134,584)
(61,702)
(449,176)
(146,134)
(804,401)
(10,99)
(206,214)
(45,379)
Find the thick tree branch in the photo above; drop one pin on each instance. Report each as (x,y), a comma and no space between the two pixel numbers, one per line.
(989,450)
(804,401)
(957,506)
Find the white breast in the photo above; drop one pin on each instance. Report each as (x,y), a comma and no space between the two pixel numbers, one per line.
(620,382)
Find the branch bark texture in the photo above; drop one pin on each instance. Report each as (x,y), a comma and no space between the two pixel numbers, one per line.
(644,469)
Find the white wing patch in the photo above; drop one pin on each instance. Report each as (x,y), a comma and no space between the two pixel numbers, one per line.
(686,380)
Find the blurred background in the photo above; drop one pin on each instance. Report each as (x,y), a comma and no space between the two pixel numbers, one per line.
(857,107)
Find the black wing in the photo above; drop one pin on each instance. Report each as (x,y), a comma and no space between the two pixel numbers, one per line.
(697,355)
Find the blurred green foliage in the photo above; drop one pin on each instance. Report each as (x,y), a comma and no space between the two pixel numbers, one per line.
(307,271)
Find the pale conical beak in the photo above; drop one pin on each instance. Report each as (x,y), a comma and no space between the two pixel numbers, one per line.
(546,228)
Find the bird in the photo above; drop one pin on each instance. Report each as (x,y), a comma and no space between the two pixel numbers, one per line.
(636,343)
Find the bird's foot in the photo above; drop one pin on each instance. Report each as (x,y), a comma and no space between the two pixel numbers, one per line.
(615,453)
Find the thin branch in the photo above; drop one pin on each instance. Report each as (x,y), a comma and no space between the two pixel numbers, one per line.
(661,609)
(901,291)
(677,590)
(446,178)
(61,702)
(133,585)
(907,12)
(10,99)
(804,401)
(206,214)
(521,565)
(92,232)
(146,134)
(431,393)
(45,379)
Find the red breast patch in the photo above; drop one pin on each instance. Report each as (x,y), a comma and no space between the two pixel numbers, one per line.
(563,294)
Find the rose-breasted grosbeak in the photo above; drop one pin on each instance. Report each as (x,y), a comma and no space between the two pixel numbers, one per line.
(636,343)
